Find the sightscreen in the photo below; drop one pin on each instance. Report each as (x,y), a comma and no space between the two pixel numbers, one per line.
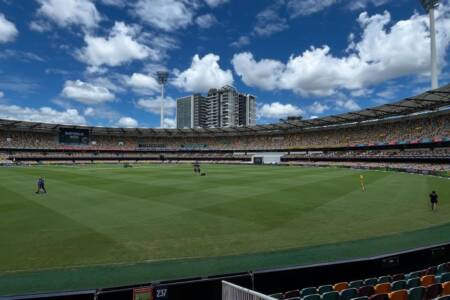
(74,136)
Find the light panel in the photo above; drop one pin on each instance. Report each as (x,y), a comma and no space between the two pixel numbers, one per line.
(429,4)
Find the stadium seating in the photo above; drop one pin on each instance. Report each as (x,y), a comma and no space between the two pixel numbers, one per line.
(421,285)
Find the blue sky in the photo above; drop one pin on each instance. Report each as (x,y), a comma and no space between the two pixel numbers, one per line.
(92,62)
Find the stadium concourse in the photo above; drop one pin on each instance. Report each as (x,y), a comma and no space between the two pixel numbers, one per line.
(414,132)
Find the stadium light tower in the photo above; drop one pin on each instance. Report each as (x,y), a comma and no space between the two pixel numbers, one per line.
(162,80)
(429,6)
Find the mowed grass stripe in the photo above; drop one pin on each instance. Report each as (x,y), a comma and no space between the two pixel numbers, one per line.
(165,212)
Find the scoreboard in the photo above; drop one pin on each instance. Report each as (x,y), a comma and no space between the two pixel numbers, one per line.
(73,136)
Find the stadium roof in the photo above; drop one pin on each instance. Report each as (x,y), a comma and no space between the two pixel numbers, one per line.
(429,101)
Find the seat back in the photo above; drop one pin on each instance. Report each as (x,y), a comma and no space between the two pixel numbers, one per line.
(333,295)
(312,297)
(399,276)
(442,268)
(366,290)
(399,295)
(416,293)
(446,288)
(398,285)
(340,286)
(370,281)
(433,291)
(413,282)
(379,297)
(384,279)
(444,277)
(348,294)
(382,288)
(355,284)
(427,280)
(308,291)
(325,288)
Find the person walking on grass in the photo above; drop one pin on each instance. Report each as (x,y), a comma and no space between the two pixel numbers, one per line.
(41,185)
(434,200)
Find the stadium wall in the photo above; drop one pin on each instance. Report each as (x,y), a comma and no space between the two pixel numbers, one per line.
(269,281)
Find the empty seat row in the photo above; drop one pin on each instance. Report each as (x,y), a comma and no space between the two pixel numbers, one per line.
(370,287)
(369,293)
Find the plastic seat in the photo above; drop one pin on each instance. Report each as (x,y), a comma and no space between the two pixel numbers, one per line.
(382,288)
(333,295)
(413,282)
(444,277)
(355,284)
(312,297)
(443,298)
(399,295)
(366,290)
(433,291)
(277,296)
(446,288)
(292,294)
(308,291)
(379,297)
(294,298)
(370,281)
(431,271)
(415,274)
(416,293)
(442,268)
(325,288)
(384,279)
(340,286)
(348,294)
(361,298)
(399,276)
(398,285)
(427,280)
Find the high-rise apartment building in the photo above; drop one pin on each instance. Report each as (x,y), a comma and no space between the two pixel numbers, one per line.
(190,111)
(224,107)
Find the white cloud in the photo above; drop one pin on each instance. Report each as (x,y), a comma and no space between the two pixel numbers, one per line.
(68,12)
(348,104)
(127,122)
(362,4)
(121,46)
(383,52)
(8,31)
(118,3)
(89,112)
(206,21)
(264,74)
(241,42)
(269,21)
(143,84)
(86,93)
(308,7)
(170,123)
(204,74)
(168,15)
(215,3)
(2,94)
(154,105)
(43,114)
(277,110)
(318,108)
(40,26)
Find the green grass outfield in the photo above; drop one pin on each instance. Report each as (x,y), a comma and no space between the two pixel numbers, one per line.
(103,225)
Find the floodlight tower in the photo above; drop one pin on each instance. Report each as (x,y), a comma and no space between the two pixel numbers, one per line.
(162,80)
(429,6)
